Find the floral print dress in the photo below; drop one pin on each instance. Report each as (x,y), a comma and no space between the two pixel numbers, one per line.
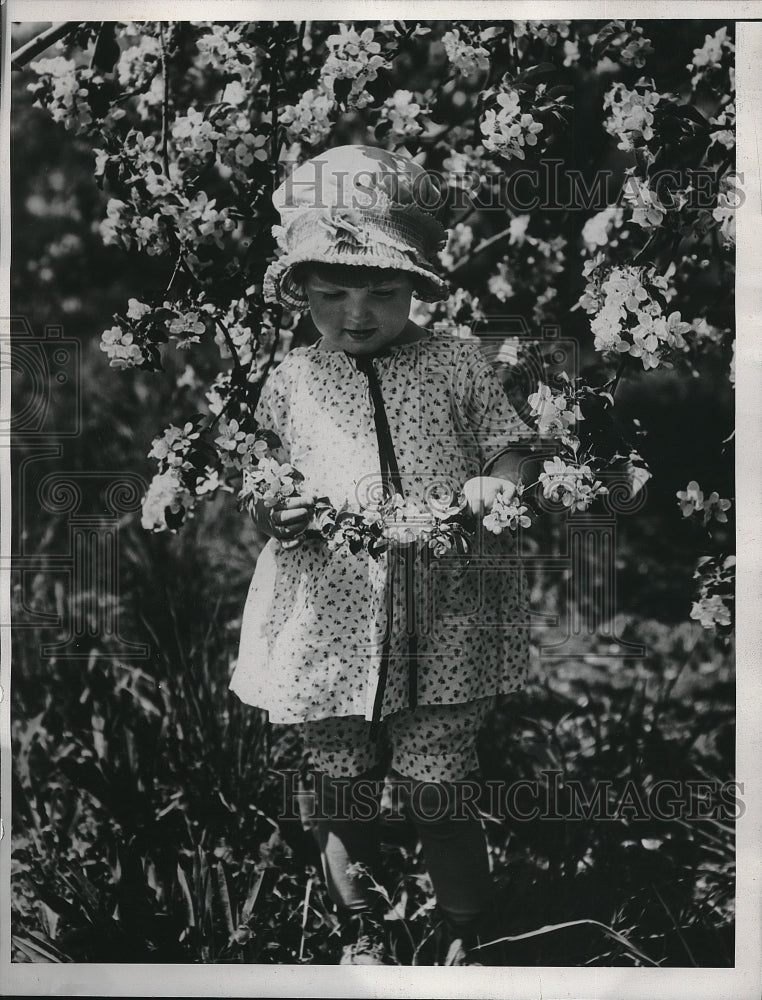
(315,620)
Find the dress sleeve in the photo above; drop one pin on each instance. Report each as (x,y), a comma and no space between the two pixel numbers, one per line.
(272,411)
(486,411)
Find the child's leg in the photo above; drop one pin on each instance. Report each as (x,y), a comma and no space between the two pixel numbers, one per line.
(435,747)
(345,773)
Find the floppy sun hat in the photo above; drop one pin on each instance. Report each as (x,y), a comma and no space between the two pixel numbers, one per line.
(357,205)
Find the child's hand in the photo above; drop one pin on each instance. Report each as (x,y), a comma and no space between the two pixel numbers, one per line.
(480,493)
(286,520)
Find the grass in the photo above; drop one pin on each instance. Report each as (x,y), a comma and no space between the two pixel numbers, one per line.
(145,795)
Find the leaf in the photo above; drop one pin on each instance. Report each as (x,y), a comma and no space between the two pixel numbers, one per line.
(549,928)
(182,881)
(251,899)
(37,949)
(535,74)
(89,897)
(224,897)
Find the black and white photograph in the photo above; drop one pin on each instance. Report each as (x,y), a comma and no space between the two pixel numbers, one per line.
(381,428)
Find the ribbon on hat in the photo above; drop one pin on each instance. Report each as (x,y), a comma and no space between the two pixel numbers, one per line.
(341,222)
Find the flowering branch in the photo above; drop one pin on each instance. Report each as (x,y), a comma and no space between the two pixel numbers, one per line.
(31,49)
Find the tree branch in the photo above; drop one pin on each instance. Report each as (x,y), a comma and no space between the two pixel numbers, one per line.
(40,42)
(484,245)
(164,102)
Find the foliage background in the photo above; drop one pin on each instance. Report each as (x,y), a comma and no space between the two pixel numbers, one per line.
(144,794)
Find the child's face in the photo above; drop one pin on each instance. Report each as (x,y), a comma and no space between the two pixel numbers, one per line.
(358,311)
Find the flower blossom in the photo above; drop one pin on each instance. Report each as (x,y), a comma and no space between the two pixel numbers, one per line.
(631,114)
(269,481)
(691,498)
(574,486)
(187,327)
(725,211)
(546,31)
(466,57)
(239,447)
(61,89)
(171,448)
(725,132)
(355,57)
(507,131)
(692,501)
(557,413)
(121,348)
(166,492)
(647,210)
(139,64)
(709,56)
(465,168)
(571,52)
(510,514)
(499,284)
(596,232)
(403,112)
(711,610)
(459,241)
(224,48)
(309,119)
(626,317)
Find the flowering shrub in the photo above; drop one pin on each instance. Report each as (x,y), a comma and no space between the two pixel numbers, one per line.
(192,125)
(628,314)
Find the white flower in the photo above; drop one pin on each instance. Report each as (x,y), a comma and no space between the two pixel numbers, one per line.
(574,485)
(119,345)
(499,285)
(165,491)
(237,446)
(725,133)
(517,228)
(596,232)
(546,31)
(647,210)
(187,328)
(557,413)
(225,49)
(709,56)
(711,611)
(631,114)
(404,113)
(355,57)
(466,57)
(173,445)
(61,90)
(571,52)
(309,120)
(136,309)
(507,131)
(725,214)
(459,241)
(504,514)
(139,64)
(194,135)
(626,318)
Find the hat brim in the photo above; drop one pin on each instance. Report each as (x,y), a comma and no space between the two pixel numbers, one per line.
(280,284)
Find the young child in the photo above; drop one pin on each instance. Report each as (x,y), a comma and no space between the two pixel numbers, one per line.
(381,401)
